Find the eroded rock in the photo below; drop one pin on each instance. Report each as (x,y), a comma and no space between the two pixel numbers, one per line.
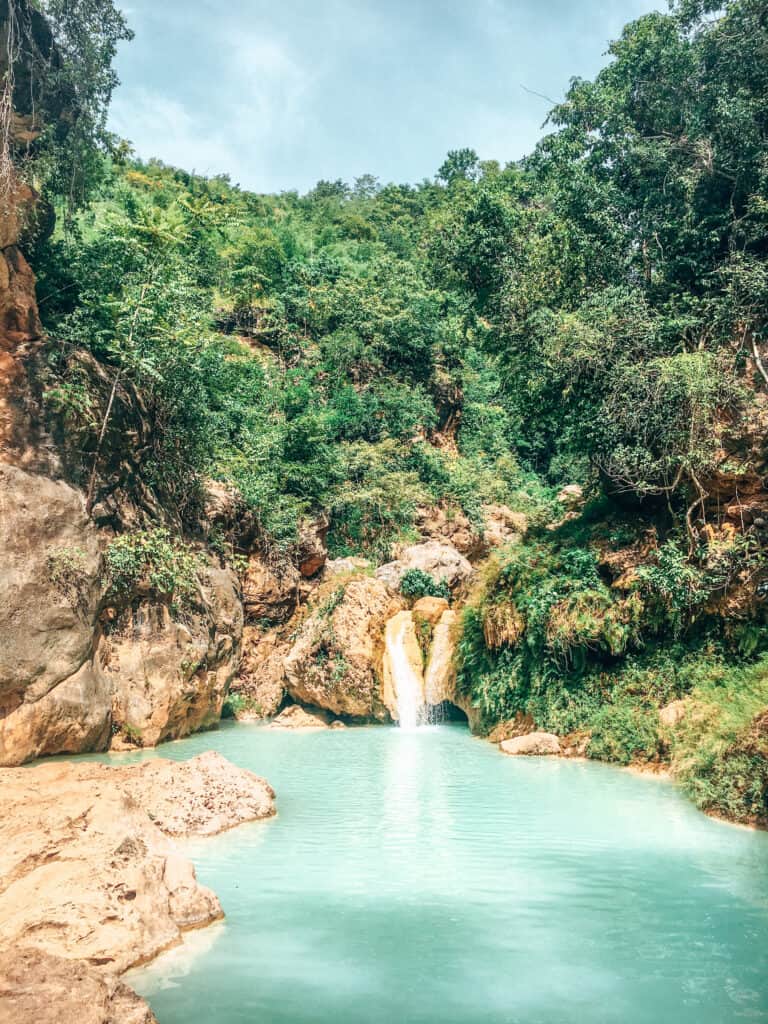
(532,744)
(53,699)
(169,677)
(336,660)
(442,561)
(39,988)
(88,870)
(297,717)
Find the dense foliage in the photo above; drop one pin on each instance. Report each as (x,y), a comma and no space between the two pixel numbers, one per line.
(596,314)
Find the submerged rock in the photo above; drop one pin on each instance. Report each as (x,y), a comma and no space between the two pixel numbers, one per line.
(532,744)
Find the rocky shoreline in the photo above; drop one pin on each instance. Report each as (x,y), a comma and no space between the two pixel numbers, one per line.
(92,882)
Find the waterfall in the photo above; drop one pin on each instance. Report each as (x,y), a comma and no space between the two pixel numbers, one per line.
(404,658)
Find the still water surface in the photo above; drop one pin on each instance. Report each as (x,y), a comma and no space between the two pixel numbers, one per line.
(425,878)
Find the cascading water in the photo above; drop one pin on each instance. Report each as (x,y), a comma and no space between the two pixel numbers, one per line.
(407,680)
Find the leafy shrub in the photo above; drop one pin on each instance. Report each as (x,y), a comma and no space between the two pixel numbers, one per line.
(624,732)
(416,584)
(152,560)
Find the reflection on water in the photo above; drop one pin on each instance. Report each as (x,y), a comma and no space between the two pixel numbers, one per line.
(421,877)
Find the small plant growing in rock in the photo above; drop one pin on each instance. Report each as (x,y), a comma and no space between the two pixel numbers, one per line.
(68,569)
(416,584)
(151,560)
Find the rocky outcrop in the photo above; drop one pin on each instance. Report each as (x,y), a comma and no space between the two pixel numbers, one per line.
(269,595)
(429,610)
(440,675)
(449,525)
(20,330)
(88,871)
(296,717)
(38,987)
(442,561)
(311,552)
(534,744)
(90,877)
(53,697)
(336,660)
(261,679)
(169,676)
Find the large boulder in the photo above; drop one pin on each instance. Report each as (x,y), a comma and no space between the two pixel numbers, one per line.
(169,677)
(53,697)
(297,718)
(336,660)
(437,559)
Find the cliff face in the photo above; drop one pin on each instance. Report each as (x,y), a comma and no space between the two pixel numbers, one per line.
(72,680)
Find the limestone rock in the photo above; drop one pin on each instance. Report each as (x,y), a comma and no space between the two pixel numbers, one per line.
(312,554)
(87,871)
(572,496)
(261,679)
(345,566)
(297,717)
(502,525)
(440,676)
(39,988)
(52,698)
(437,559)
(520,725)
(534,743)
(335,662)
(449,526)
(169,678)
(269,595)
(430,609)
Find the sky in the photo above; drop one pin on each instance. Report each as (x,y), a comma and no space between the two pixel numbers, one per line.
(281,94)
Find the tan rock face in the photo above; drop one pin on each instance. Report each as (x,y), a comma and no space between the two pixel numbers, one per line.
(89,875)
(169,678)
(20,329)
(267,595)
(52,698)
(442,561)
(521,725)
(39,988)
(336,660)
(312,553)
(440,676)
(261,679)
(429,609)
(534,744)
(296,717)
